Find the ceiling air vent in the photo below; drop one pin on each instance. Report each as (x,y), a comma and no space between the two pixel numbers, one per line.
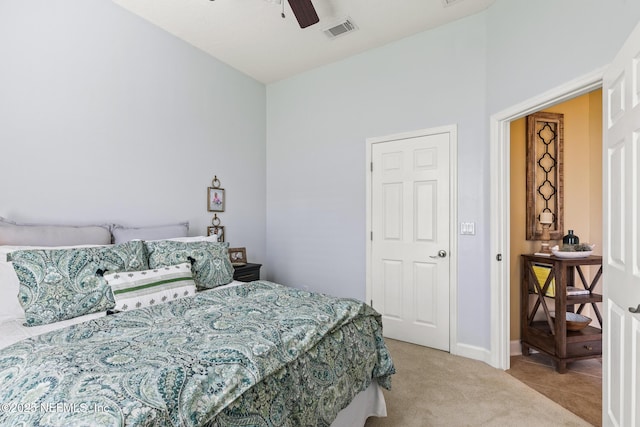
(340,29)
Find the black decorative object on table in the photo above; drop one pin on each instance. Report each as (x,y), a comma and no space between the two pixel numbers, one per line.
(570,239)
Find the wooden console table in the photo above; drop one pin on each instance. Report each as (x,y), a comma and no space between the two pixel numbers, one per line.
(550,335)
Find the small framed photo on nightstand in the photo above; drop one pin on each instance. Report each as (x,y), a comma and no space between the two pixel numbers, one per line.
(238,256)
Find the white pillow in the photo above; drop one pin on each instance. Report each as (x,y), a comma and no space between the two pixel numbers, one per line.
(123,234)
(10,307)
(137,289)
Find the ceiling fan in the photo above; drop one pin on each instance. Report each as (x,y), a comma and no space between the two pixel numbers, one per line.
(304,12)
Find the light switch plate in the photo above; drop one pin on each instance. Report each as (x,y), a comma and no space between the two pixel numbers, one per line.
(468,228)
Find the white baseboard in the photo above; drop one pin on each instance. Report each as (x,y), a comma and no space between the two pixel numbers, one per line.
(472,352)
(482,354)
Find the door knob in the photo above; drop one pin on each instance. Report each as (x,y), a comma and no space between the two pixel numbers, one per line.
(635,310)
(441,254)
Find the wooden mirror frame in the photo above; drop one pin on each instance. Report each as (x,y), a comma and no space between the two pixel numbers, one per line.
(545,170)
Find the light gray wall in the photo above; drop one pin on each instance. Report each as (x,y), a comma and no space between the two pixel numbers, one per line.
(534,46)
(317,124)
(106,118)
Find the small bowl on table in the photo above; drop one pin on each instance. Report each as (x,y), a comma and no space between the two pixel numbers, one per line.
(583,250)
(576,321)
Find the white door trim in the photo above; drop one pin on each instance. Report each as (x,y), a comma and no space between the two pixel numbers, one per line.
(500,140)
(453,209)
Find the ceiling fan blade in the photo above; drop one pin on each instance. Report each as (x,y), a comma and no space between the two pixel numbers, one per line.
(304,12)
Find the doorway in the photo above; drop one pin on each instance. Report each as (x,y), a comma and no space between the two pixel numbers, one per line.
(582,188)
(500,244)
(580,389)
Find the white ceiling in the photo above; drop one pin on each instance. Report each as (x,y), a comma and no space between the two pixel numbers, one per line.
(251,36)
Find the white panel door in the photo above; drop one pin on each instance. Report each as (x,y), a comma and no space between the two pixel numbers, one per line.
(410,238)
(621,252)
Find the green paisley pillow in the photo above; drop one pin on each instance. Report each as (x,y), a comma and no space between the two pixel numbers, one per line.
(59,284)
(211,264)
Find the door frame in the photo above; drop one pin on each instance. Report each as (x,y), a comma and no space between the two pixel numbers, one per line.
(499,141)
(452,130)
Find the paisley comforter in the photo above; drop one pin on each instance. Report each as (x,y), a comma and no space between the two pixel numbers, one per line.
(258,354)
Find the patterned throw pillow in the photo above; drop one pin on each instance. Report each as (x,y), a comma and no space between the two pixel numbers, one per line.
(59,284)
(211,266)
(137,289)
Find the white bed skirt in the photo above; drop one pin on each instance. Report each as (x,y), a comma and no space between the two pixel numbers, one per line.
(367,403)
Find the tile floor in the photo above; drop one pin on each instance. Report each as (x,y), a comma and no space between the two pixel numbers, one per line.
(579,390)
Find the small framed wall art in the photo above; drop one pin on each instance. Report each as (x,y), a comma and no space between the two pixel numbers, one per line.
(215,196)
(217,230)
(215,199)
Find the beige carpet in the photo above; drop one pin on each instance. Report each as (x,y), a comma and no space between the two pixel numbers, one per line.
(434,388)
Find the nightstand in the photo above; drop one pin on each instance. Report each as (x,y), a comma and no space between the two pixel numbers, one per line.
(247,272)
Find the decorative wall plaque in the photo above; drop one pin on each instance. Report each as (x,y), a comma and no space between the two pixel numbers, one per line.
(545,184)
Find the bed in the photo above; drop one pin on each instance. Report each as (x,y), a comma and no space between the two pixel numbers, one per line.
(196,350)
